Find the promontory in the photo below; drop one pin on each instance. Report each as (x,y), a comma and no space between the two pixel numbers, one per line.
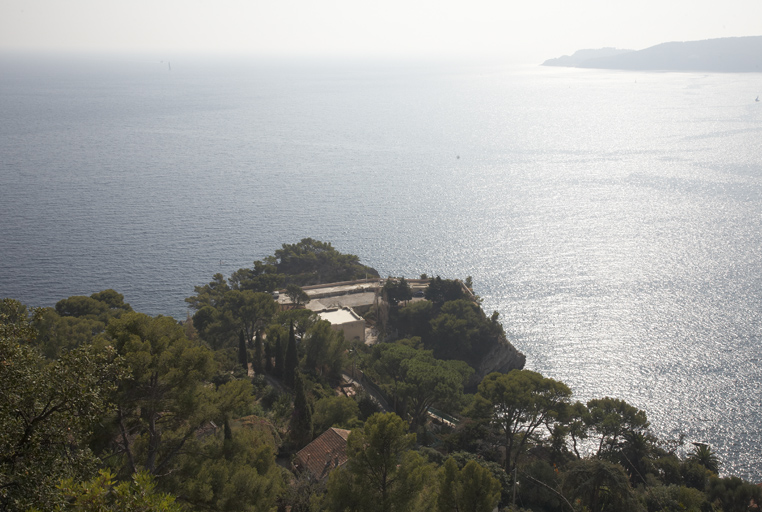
(723,55)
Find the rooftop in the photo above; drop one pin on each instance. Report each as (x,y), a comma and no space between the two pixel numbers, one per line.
(340,316)
(325,453)
(354,294)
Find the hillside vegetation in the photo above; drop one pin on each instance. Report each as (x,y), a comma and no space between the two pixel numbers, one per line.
(104,408)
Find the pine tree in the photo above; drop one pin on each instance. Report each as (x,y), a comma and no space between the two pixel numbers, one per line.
(243,356)
(292,358)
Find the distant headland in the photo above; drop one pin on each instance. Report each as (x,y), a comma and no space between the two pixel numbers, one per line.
(724,55)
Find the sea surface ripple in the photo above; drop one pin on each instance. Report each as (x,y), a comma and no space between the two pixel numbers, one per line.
(613,219)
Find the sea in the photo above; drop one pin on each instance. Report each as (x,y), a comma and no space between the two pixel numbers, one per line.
(613,219)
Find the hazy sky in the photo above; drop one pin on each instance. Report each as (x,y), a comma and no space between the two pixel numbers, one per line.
(523,31)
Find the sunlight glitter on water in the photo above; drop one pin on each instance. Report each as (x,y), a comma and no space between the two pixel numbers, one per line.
(614,220)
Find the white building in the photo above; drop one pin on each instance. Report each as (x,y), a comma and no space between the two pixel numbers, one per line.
(344,319)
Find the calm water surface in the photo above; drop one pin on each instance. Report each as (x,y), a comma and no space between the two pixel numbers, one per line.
(613,219)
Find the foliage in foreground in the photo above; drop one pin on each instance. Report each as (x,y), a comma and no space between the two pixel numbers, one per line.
(48,411)
(103,494)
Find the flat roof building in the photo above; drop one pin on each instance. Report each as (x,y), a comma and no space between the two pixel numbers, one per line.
(345,319)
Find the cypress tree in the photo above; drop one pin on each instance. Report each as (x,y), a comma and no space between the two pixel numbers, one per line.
(243,356)
(258,352)
(301,418)
(292,358)
(268,359)
(280,361)
(227,430)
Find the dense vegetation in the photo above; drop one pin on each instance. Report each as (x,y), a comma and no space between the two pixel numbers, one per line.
(105,408)
(243,302)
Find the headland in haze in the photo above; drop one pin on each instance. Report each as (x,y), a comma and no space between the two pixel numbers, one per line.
(724,55)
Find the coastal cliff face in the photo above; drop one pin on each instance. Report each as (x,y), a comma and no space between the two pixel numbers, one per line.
(502,357)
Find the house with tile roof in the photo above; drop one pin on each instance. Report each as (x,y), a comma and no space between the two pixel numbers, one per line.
(324,454)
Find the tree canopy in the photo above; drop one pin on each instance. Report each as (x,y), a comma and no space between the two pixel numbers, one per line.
(244,301)
(383,474)
(470,489)
(104,408)
(48,411)
(164,400)
(610,419)
(236,474)
(521,401)
(313,262)
(103,494)
(600,486)
(441,290)
(418,381)
(396,291)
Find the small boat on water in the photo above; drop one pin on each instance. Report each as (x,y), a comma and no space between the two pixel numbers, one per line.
(757,100)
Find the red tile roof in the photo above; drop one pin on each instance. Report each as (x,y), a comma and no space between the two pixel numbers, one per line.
(325,453)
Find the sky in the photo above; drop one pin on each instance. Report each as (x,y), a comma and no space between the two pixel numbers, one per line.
(527,31)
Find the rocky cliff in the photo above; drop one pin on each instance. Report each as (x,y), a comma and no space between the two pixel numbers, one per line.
(502,357)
